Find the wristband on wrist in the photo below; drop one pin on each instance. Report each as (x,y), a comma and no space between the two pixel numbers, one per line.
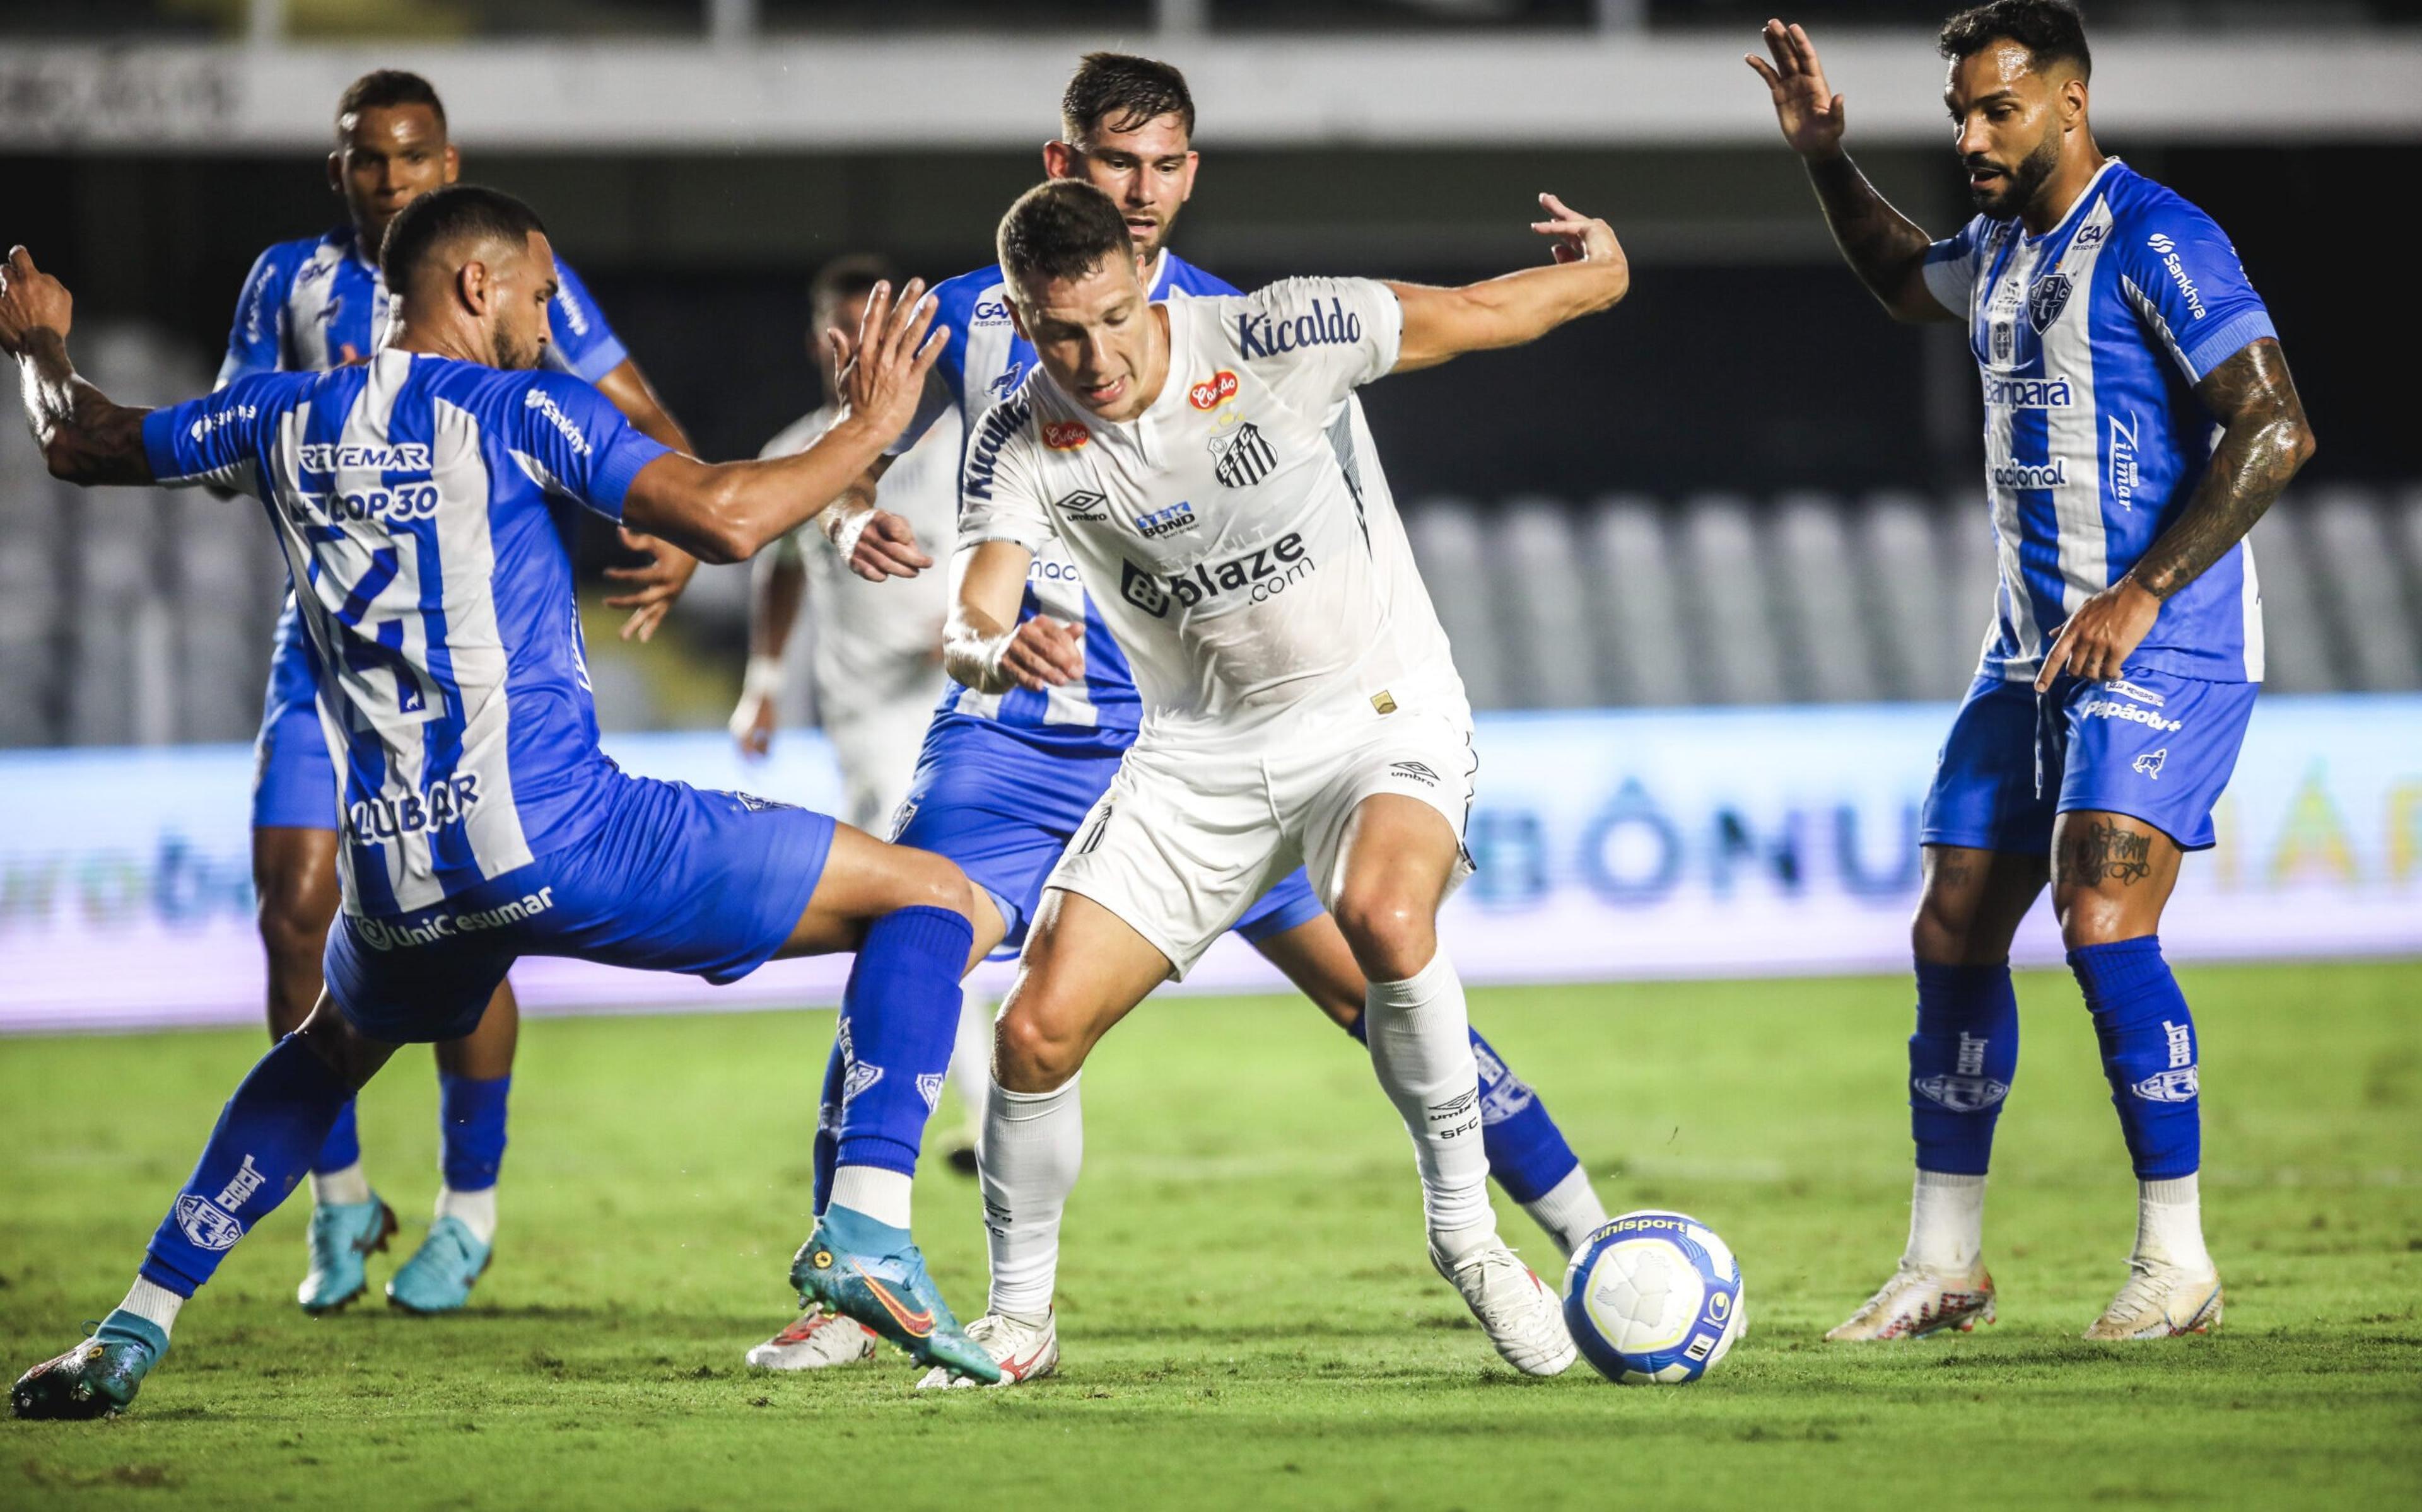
(763,679)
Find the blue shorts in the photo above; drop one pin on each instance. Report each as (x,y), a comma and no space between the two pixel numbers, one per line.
(2151,745)
(293,780)
(1004,811)
(674,879)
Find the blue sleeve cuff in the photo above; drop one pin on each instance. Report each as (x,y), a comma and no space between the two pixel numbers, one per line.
(611,482)
(159,445)
(2212,348)
(600,359)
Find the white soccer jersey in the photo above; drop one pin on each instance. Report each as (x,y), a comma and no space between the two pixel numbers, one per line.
(1224,532)
(876,643)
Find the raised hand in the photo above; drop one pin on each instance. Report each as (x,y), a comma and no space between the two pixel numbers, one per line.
(655,581)
(30,300)
(883,367)
(1805,106)
(1577,237)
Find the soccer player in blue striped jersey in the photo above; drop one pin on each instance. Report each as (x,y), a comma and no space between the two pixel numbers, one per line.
(309,305)
(415,497)
(1007,778)
(2139,418)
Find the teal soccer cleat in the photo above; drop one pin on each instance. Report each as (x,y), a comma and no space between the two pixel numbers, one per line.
(888,1291)
(97,1377)
(344,1233)
(438,1277)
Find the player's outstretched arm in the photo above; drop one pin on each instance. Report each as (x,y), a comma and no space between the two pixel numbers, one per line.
(2264,441)
(1885,248)
(652,583)
(1590,274)
(85,437)
(984,648)
(727,513)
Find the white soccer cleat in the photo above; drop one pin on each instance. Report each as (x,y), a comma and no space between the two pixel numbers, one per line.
(2161,1302)
(816,1342)
(1027,1352)
(1918,1301)
(1522,1316)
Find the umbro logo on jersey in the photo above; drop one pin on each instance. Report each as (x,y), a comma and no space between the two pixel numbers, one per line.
(1418,772)
(1245,456)
(1262,575)
(1213,391)
(1177,517)
(1066,435)
(1082,505)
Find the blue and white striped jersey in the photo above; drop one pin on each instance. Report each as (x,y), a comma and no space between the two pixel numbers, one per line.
(317,302)
(983,361)
(411,495)
(2090,339)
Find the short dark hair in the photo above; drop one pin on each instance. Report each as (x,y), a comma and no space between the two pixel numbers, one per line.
(847,276)
(2051,30)
(384,88)
(443,217)
(1060,228)
(1122,91)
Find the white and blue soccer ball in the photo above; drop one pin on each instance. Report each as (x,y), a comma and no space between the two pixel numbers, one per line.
(1653,1299)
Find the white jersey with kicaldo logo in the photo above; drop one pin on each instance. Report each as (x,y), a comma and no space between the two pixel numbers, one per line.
(1224,532)
(1290,663)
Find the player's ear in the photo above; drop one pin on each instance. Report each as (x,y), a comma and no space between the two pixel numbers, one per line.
(453,162)
(473,287)
(1058,160)
(337,171)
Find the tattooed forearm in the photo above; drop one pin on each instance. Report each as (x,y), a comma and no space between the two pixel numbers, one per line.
(2107,852)
(85,437)
(2264,441)
(1885,248)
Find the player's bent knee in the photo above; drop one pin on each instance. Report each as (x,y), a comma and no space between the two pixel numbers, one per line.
(1032,1054)
(1392,937)
(2088,917)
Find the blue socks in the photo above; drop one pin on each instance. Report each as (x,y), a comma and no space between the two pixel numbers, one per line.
(2148,1052)
(1960,1063)
(828,1150)
(471,1127)
(1527,1152)
(899,1019)
(266,1137)
(343,1146)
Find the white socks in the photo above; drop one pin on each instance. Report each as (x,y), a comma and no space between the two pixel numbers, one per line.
(1421,1048)
(154,1304)
(971,1063)
(1946,1221)
(2169,1225)
(476,1209)
(1033,1146)
(340,1186)
(878,1193)
(1569,1210)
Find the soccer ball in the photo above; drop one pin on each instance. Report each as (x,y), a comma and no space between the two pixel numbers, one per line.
(1653,1299)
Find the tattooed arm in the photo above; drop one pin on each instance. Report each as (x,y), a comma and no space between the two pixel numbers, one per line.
(85,437)
(1885,248)
(2264,440)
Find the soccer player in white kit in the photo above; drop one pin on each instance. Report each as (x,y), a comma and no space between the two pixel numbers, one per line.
(875,646)
(1303,706)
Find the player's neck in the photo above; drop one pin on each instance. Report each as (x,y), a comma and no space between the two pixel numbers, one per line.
(2059,196)
(443,341)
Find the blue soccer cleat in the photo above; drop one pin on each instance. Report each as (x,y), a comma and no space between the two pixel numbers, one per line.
(97,1377)
(438,1277)
(343,1235)
(888,1291)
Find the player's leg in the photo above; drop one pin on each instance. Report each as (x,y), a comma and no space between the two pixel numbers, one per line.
(266,1138)
(2147,756)
(1083,970)
(294,885)
(906,912)
(475,1078)
(1394,862)
(1985,833)
(1526,1153)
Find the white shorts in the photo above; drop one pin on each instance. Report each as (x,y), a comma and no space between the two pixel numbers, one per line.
(877,749)
(1187,838)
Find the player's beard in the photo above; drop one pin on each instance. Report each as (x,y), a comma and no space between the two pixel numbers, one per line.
(2020,185)
(510,354)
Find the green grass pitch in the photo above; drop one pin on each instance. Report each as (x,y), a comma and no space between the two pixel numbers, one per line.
(1246,1315)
